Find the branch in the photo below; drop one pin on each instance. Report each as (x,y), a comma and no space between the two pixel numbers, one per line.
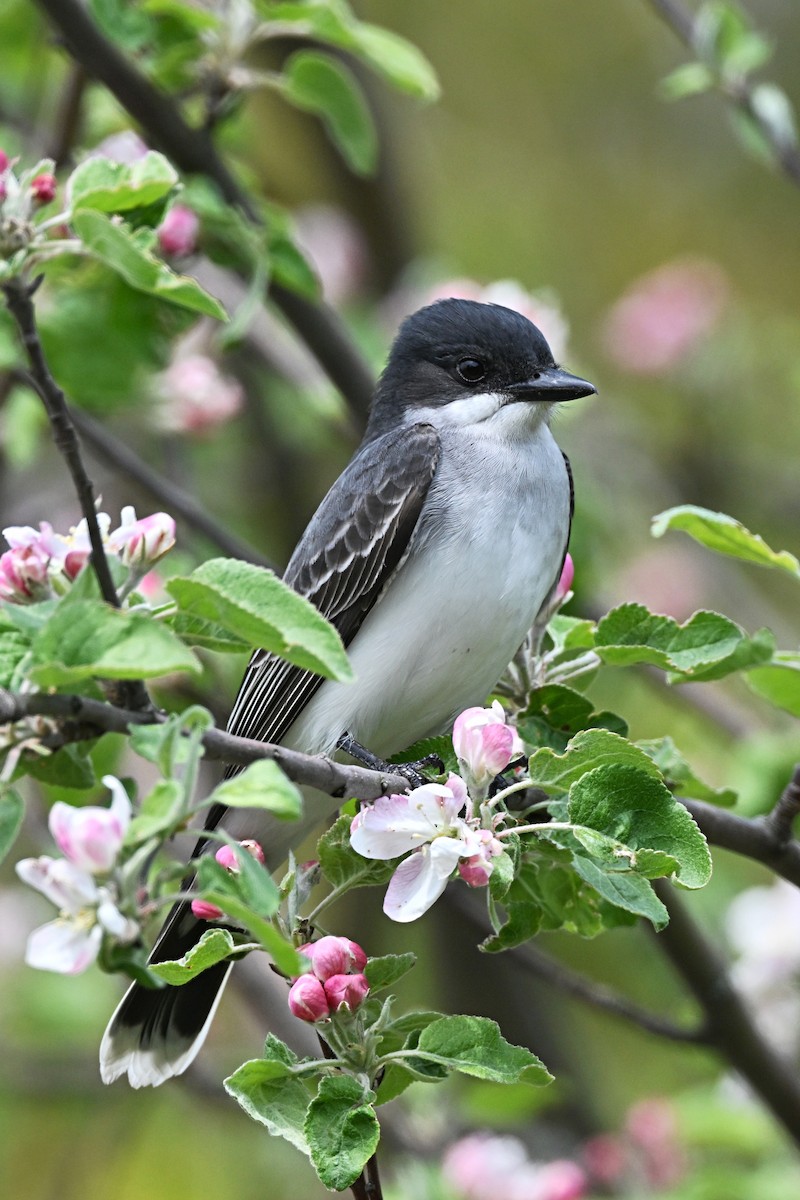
(85,718)
(780,821)
(176,498)
(739,92)
(193,151)
(729,1026)
(18,295)
(758,839)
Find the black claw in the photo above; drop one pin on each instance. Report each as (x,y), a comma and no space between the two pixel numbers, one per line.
(413,772)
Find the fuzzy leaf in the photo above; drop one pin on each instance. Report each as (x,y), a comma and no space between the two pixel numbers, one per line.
(12,811)
(706,643)
(475,1046)
(261,785)
(214,946)
(778,682)
(318,84)
(717,531)
(384,971)
(107,186)
(586,751)
(265,1093)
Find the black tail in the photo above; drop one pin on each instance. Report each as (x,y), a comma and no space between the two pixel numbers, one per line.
(155,1034)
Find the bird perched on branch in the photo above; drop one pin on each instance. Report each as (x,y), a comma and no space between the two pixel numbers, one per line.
(432,554)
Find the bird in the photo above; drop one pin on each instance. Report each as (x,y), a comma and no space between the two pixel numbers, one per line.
(432,554)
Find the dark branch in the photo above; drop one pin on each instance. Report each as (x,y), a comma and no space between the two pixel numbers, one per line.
(179,502)
(18,298)
(737,91)
(68,119)
(81,718)
(194,153)
(780,821)
(729,1025)
(757,839)
(605,998)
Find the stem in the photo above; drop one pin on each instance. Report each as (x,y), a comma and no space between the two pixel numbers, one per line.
(327,900)
(542,827)
(780,821)
(18,298)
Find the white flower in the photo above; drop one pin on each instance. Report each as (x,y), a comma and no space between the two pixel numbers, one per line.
(72,942)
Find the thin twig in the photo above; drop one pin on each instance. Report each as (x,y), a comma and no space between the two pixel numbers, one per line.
(193,152)
(18,295)
(730,1027)
(738,91)
(68,118)
(780,821)
(84,718)
(177,499)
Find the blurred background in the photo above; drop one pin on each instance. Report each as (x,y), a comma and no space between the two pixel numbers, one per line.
(651,247)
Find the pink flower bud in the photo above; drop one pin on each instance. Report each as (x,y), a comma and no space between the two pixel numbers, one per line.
(484,743)
(205,911)
(23,574)
(565,582)
(307,999)
(334,956)
(346,991)
(74,562)
(139,543)
(226,855)
(43,188)
(177,233)
(475,871)
(3,191)
(606,1158)
(196,396)
(92,837)
(3,161)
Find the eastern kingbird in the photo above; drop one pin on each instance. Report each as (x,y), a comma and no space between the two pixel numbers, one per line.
(432,554)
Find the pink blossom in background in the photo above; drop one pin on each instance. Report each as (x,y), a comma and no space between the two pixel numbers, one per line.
(91,837)
(123,147)
(664,315)
(484,1166)
(195,396)
(334,245)
(540,308)
(605,1157)
(652,1127)
(177,233)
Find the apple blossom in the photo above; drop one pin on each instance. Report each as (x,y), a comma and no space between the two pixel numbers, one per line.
(307,999)
(334,956)
(177,233)
(205,911)
(142,542)
(91,837)
(71,942)
(346,991)
(4,160)
(195,396)
(226,855)
(43,188)
(484,744)
(426,822)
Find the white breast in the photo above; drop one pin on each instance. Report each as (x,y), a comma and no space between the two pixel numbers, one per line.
(485,555)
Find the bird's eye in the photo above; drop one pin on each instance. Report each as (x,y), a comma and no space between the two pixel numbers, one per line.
(471,370)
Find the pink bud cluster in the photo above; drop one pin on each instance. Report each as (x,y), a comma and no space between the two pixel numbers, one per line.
(484,744)
(177,233)
(41,563)
(335,982)
(227,858)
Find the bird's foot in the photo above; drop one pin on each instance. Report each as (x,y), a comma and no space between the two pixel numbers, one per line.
(413,772)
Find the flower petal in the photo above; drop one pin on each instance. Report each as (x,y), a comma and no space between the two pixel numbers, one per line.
(420,879)
(63,946)
(64,885)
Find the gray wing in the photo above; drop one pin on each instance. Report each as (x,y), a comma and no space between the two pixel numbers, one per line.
(353,544)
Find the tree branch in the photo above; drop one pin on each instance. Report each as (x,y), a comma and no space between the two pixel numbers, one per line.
(84,718)
(194,153)
(175,498)
(739,92)
(729,1026)
(18,295)
(757,839)
(780,821)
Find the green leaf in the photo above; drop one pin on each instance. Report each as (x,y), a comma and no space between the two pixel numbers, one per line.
(266,1095)
(717,531)
(318,84)
(261,785)
(12,811)
(475,1046)
(586,751)
(679,775)
(128,255)
(254,604)
(14,645)
(690,79)
(778,682)
(398,60)
(166,743)
(384,971)
(340,864)
(632,634)
(252,884)
(107,186)
(629,891)
(341,1130)
(69,767)
(632,807)
(90,639)
(555,713)
(214,946)
(571,633)
(196,631)
(161,810)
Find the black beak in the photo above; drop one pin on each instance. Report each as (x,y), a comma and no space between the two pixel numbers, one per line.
(551,383)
